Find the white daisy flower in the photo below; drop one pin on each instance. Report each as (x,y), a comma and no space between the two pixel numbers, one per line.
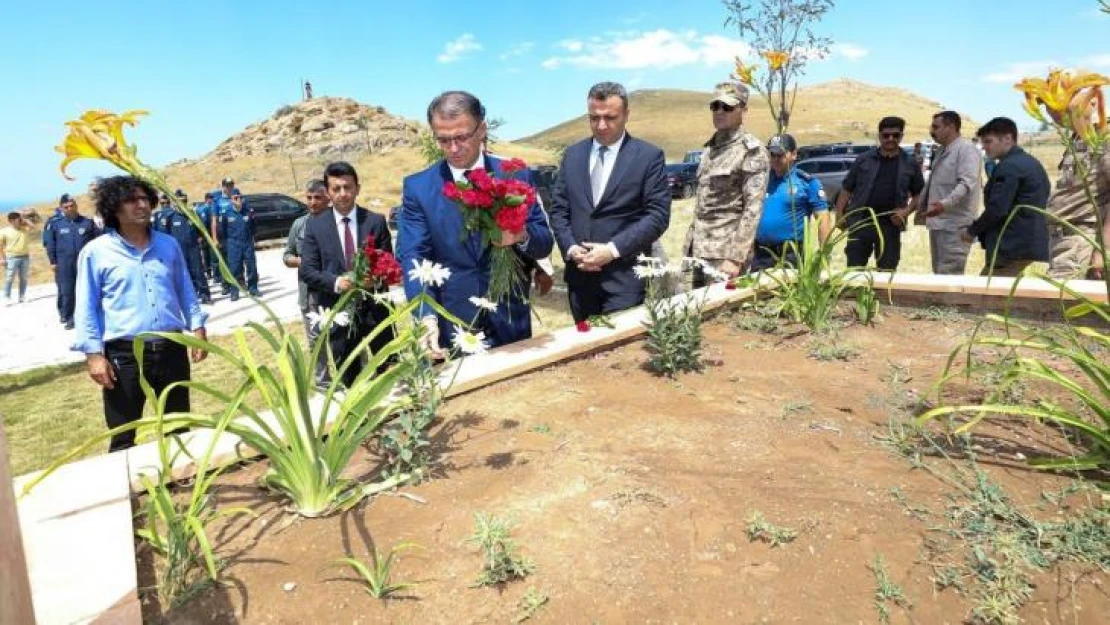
(470,343)
(318,316)
(315,316)
(428,273)
(646,272)
(484,304)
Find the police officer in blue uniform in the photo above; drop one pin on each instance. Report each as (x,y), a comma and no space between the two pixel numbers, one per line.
(206,213)
(237,231)
(221,203)
(178,226)
(65,234)
(792,197)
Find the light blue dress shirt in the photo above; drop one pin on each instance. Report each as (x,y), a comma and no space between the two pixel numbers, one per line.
(123,291)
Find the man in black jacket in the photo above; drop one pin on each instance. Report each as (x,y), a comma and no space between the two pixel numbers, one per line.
(887,181)
(1018,182)
(610,203)
(332,240)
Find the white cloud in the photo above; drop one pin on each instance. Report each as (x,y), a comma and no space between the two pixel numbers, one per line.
(1098,60)
(517,49)
(570,45)
(659,49)
(457,49)
(1016,71)
(850,51)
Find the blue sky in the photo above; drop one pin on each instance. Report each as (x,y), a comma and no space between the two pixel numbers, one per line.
(205,68)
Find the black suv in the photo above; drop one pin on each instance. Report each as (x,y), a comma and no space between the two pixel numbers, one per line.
(682,179)
(274,213)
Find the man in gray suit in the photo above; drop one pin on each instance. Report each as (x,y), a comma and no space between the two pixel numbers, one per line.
(951,197)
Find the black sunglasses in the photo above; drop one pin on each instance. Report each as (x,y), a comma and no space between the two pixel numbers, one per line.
(891,135)
(721,106)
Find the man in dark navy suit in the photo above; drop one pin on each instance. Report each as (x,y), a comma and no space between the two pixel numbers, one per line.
(609,205)
(431,230)
(332,240)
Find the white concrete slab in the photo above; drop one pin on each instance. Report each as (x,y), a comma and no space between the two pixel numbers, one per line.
(77,533)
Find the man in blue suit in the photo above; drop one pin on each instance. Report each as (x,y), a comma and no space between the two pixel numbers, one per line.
(609,205)
(431,229)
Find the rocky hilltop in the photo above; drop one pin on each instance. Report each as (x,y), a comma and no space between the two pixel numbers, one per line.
(320,127)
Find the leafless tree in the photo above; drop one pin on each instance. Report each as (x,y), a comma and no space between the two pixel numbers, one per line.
(781,31)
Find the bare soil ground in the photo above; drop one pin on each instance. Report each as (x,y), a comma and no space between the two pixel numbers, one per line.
(633,494)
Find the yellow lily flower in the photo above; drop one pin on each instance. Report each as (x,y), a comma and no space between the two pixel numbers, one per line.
(1086,115)
(99,134)
(775,59)
(1056,92)
(743,73)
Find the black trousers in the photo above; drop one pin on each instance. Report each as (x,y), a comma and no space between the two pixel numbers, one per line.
(864,243)
(767,255)
(164,362)
(586,302)
(344,340)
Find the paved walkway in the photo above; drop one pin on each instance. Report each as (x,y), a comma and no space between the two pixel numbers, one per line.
(32,336)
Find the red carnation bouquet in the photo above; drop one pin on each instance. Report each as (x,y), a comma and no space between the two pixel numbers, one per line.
(493,205)
(375,269)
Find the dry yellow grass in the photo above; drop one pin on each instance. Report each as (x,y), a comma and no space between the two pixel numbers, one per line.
(380,175)
(841,110)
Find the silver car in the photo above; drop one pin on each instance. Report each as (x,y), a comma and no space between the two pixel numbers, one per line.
(829,170)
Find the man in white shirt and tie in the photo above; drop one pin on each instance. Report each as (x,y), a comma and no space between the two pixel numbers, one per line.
(332,240)
(610,204)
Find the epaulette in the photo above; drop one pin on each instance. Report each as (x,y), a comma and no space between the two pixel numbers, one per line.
(751,142)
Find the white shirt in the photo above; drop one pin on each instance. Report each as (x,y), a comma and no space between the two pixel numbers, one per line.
(607,166)
(606,171)
(460,174)
(341,229)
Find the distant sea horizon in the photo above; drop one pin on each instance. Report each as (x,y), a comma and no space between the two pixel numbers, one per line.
(7,205)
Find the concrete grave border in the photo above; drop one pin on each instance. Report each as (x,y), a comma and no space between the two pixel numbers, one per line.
(77,526)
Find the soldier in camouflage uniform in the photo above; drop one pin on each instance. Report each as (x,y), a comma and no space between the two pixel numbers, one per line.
(1073,256)
(732,181)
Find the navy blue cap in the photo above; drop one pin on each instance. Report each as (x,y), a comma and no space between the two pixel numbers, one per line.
(780,144)
(65,198)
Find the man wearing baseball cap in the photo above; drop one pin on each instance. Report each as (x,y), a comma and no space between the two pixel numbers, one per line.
(793,196)
(732,180)
(65,236)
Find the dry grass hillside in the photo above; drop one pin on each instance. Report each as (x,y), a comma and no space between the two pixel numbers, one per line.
(841,110)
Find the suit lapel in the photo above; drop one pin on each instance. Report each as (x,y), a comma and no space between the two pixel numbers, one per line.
(624,158)
(331,236)
(582,170)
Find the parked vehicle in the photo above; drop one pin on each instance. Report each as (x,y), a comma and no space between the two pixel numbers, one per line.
(274,214)
(682,178)
(544,177)
(830,170)
(831,149)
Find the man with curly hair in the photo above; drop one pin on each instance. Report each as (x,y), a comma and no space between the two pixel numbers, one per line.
(131,281)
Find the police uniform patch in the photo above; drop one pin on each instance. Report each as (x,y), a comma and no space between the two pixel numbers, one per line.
(821,194)
(80,231)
